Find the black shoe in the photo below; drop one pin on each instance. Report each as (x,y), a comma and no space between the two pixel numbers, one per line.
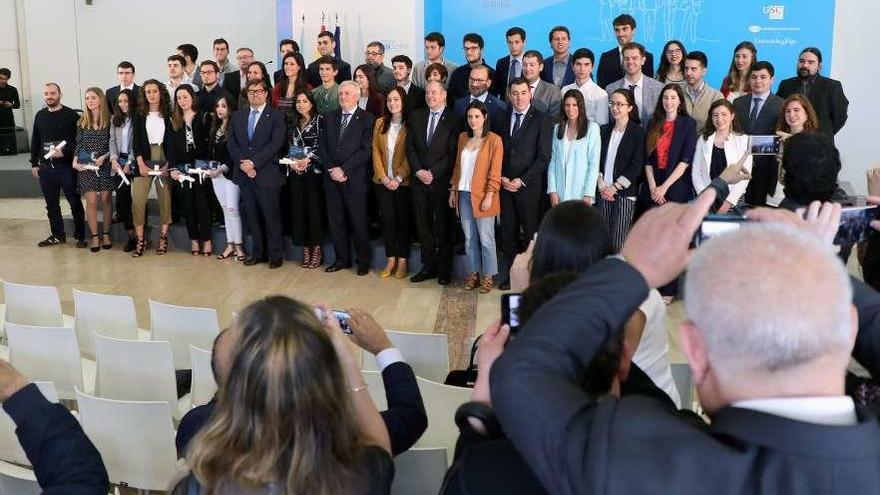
(444,279)
(254,261)
(52,240)
(81,243)
(130,245)
(335,267)
(504,284)
(363,270)
(275,264)
(422,276)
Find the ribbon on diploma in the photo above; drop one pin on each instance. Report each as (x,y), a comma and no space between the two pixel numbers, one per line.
(157,175)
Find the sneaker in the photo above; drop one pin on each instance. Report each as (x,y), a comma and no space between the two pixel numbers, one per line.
(52,240)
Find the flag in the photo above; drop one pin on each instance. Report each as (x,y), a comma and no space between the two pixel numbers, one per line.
(323,28)
(302,33)
(337,36)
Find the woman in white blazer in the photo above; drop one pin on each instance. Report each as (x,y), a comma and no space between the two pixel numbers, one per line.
(574,160)
(721,143)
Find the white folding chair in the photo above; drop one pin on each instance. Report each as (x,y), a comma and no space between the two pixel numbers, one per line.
(681,375)
(441,402)
(113,316)
(36,305)
(418,471)
(427,353)
(16,480)
(135,370)
(376,386)
(10,449)
(135,439)
(49,354)
(203,384)
(182,326)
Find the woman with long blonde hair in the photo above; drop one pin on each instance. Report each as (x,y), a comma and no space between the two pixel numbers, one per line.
(293,416)
(93,150)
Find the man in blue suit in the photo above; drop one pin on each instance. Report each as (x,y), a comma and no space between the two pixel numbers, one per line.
(478,85)
(510,67)
(257,135)
(557,67)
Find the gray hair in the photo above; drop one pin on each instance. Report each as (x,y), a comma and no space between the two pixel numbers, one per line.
(768,297)
(354,85)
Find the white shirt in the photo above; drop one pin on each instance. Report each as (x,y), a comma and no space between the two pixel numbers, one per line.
(517,72)
(521,119)
(652,355)
(130,86)
(611,156)
(637,92)
(362,102)
(391,137)
(388,357)
(468,161)
(830,411)
(259,112)
(155,128)
(125,144)
(596,100)
(406,86)
(763,97)
(482,97)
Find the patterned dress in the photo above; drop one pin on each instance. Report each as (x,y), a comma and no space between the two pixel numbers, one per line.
(96,142)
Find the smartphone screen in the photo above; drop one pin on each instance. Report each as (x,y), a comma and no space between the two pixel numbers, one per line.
(715,225)
(854,224)
(341,316)
(764,145)
(509,306)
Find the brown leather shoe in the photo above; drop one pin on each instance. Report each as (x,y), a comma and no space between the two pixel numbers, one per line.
(472,281)
(486,284)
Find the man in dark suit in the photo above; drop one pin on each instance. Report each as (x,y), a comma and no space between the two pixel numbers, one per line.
(326,48)
(431,145)
(527,136)
(346,147)
(758,113)
(125,76)
(478,87)
(473,54)
(825,94)
(401,69)
(405,417)
(775,392)
(510,67)
(233,82)
(255,140)
(558,70)
(285,46)
(611,62)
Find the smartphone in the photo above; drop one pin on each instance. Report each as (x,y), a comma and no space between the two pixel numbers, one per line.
(764,145)
(715,225)
(341,316)
(855,224)
(509,307)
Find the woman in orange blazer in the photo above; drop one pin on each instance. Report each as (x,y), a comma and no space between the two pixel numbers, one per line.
(476,180)
(391,175)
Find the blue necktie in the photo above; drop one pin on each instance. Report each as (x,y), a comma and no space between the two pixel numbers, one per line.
(252,123)
(756,108)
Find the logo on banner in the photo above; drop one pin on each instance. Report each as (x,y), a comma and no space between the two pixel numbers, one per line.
(775,12)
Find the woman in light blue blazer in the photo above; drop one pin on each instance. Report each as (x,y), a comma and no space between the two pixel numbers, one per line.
(574,161)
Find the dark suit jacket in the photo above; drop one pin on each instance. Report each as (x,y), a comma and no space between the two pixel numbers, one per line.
(458,84)
(827,98)
(527,152)
(64,460)
(574,444)
(354,151)
(270,134)
(547,71)
(610,70)
(682,149)
(415,98)
(629,163)
(494,105)
(502,76)
(439,157)
(276,77)
(232,83)
(344,73)
(140,143)
(405,417)
(113,93)
(765,123)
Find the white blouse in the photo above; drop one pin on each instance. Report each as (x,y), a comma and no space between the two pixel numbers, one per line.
(391,140)
(468,161)
(155,128)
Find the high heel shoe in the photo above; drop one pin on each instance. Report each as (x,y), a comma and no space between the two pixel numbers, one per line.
(194,247)
(139,247)
(207,248)
(307,257)
(97,247)
(162,246)
(228,252)
(401,271)
(239,252)
(108,245)
(317,257)
(389,268)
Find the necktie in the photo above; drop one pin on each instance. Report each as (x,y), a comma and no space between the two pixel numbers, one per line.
(513,66)
(756,106)
(346,117)
(516,123)
(632,89)
(432,127)
(252,123)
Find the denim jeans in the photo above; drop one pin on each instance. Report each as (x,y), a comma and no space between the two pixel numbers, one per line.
(479,238)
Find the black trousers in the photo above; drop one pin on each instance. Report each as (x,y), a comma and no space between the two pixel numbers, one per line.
(347,209)
(262,210)
(306,208)
(196,201)
(123,206)
(433,225)
(54,180)
(765,174)
(520,216)
(395,208)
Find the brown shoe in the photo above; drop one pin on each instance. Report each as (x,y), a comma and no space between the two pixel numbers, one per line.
(400,271)
(486,284)
(389,268)
(307,257)
(472,281)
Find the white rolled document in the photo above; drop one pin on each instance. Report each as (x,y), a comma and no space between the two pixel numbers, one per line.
(52,149)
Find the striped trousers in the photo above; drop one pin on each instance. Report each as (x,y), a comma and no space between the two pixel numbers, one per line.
(618,215)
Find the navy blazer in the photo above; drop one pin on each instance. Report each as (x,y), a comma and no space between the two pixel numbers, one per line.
(264,149)
(547,71)
(495,106)
(527,152)
(610,70)
(629,163)
(827,98)
(113,93)
(438,157)
(502,74)
(354,152)
(682,149)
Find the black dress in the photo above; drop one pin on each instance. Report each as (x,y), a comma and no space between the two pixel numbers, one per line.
(306,190)
(95,143)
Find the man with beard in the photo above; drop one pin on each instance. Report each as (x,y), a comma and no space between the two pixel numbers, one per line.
(825,94)
(374,56)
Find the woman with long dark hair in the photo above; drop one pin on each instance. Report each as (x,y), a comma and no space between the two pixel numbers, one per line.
(294,80)
(122,158)
(574,159)
(225,189)
(256,71)
(736,82)
(671,69)
(722,142)
(370,99)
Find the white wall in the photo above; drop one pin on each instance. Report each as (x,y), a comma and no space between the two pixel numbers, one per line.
(9,55)
(856,39)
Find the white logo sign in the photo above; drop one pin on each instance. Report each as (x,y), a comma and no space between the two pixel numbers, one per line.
(775,12)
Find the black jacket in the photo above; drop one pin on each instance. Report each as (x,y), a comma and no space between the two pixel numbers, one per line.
(610,70)
(64,460)
(638,445)
(826,96)
(415,98)
(405,417)
(527,152)
(113,93)
(140,143)
(439,156)
(354,151)
(629,163)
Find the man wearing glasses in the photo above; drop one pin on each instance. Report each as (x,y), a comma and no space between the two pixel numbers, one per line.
(473,53)
(258,132)
(211,91)
(374,56)
(478,86)
(125,76)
